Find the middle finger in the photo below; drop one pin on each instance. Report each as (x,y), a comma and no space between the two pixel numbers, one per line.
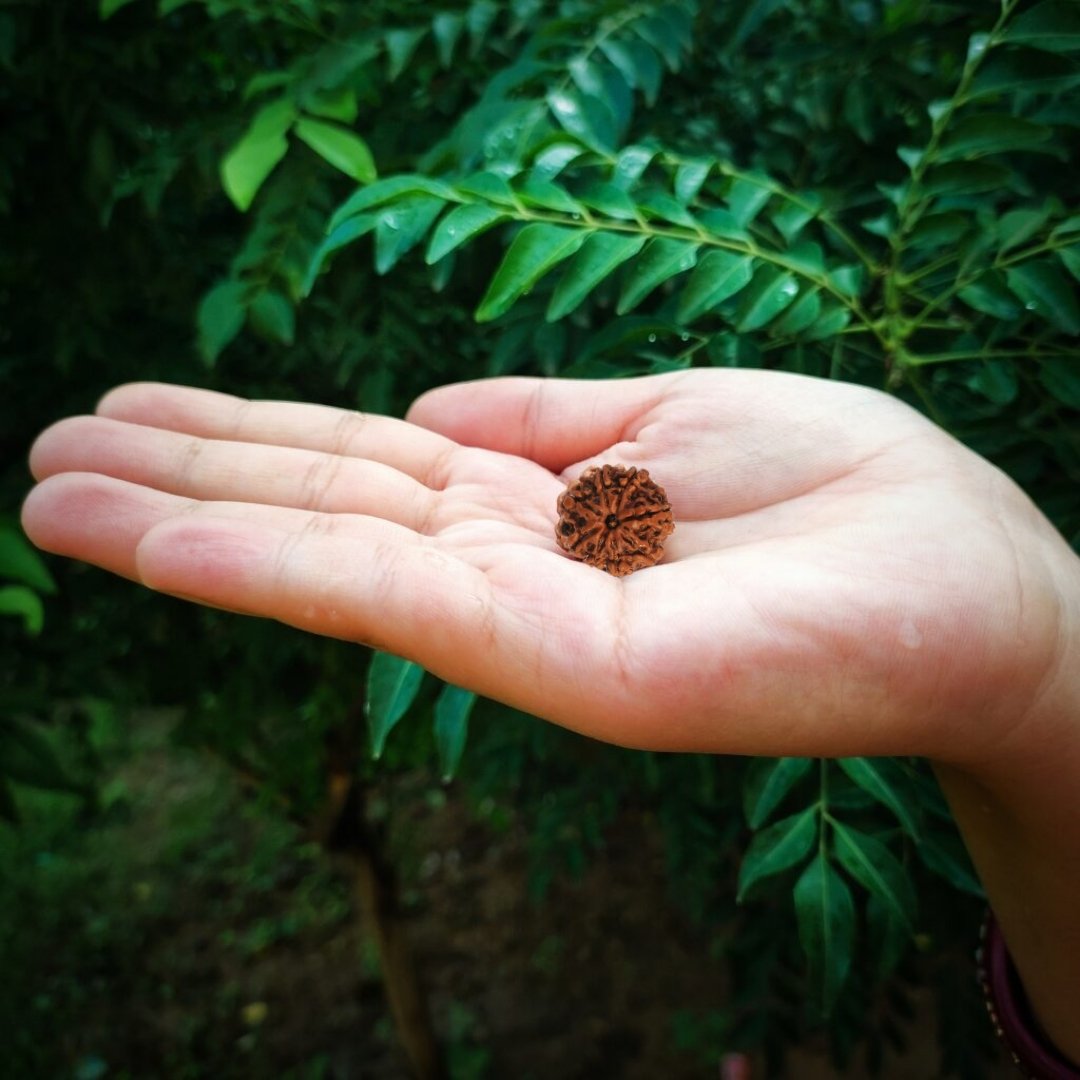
(219,470)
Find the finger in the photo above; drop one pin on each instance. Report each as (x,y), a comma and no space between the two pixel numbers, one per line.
(553,422)
(95,519)
(496,626)
(216,470)
(101,520)
(406,447)
(346,576)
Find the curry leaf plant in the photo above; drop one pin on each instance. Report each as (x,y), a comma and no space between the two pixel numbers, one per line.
(882,192)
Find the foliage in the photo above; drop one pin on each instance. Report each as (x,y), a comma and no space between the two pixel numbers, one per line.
(941,268)
(874,191)
(27,756)
(108,922)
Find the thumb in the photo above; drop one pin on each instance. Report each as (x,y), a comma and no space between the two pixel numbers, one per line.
(554,422)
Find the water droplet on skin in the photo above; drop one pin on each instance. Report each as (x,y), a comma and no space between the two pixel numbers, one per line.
(652,338)
(910,635)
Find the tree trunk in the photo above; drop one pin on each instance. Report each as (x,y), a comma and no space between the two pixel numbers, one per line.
(349,836)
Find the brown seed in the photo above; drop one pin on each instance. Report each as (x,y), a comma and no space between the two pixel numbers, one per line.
(615,518)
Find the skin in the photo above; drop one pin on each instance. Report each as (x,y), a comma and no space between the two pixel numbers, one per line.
(844,579)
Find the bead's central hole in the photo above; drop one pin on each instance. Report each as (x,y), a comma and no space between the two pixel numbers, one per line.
(612,521)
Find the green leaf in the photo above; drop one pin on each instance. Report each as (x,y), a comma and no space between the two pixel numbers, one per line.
(273,317)
(1061,376)
(554,158)
(447,27)
(753,14)
(543,193)
(800,316)
(254,156)
(401,226)
(345,233)
(257,84)
(108,8)
(996,380)
(770,292)
(535,250)
(24,602)
(220,318)
(777,848)
(947,857)
(343,149)
(833,319)
(767,783)
(1071,258)
(689,178)
(660,205)
(660,35)
(935,231)
(488,186)
(990,295)
(479,19)
(452,709)
(460,226)
(745,198)
(388,190)
(20,562)
(27,758)
(889,938)
(585,118)
(602,82)
(662,259)
(791,218)
(990,133)
(1044,289)
(400,46)
(1019,225)
(609,200)
(339,104)
(630,164)
(808,257)
(1053,25)
(826,918)
(1069,225)
(874,867)
(599,256)
(720,274)
(637,63)
(1009,71)
(849,280)
(392,687)
(965,178)
(679,23)
(884,780)
(721,223)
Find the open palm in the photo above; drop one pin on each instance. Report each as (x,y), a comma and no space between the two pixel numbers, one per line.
(843,578)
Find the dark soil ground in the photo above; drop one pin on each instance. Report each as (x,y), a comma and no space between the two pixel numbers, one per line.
(191,936)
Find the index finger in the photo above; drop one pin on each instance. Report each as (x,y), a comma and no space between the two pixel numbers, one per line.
(411,449)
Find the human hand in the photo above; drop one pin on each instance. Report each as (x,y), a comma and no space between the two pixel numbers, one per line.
(844,578)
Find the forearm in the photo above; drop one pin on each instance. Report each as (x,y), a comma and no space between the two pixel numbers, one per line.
(1020,818)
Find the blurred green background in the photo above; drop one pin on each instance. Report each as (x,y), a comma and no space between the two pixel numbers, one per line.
(204,872)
